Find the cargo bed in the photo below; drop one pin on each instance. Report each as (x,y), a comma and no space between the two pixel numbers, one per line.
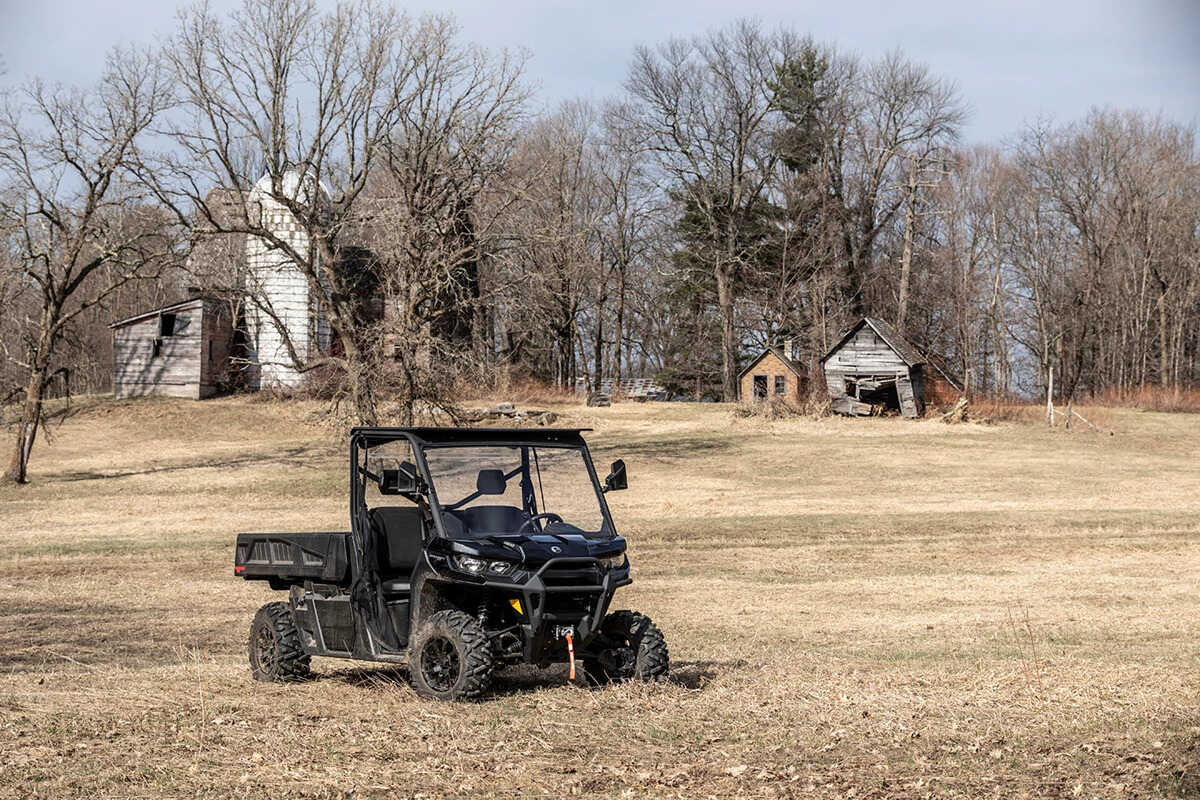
(293,557)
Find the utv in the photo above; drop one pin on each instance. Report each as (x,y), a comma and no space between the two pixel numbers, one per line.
(470,549)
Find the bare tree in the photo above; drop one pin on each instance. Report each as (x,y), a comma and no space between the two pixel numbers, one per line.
(362,121)
(702,107)
(902,116)
(631,205)
(440,191)
(307,100)
(555,221)
(79,226)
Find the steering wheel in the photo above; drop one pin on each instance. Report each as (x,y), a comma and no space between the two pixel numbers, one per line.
(529,522)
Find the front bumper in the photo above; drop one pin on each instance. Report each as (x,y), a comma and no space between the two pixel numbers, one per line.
(565,592)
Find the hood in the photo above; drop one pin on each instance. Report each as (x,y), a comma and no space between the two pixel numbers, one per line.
(536,549)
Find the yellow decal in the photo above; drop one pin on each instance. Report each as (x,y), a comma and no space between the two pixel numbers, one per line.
(516,604)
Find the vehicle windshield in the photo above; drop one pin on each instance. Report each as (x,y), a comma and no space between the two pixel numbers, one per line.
(486,490)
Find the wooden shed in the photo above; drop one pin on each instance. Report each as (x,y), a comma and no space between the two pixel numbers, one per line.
(774,373)
(873,366)
(180,350)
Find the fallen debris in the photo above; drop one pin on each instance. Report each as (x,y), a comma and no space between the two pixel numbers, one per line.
(508,412)
(956,414)
(845,404)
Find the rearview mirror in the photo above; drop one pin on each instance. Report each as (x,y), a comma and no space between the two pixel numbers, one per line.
(402,480)
(616,477)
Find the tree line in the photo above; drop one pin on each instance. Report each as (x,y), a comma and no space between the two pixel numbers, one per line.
(746,186)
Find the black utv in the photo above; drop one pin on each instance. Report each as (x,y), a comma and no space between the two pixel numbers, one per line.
(469,549)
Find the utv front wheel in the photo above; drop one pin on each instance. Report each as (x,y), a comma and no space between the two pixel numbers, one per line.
(275,651)
(450,658)
(629,647)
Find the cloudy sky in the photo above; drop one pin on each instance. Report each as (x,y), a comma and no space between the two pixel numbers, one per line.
(1013,59)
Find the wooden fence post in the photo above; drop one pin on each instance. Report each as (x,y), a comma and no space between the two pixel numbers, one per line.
(1050,396)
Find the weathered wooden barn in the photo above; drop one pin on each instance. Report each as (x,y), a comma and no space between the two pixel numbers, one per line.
(180,350)
(873,366)
(774,373)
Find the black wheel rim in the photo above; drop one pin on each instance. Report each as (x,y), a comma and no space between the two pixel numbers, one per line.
(440,664)
(264,649)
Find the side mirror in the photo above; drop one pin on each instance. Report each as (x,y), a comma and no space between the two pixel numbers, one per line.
(402,480)
(616,477)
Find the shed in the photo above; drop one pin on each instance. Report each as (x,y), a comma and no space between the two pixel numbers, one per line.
(180,350)
(873,365)
(774,373)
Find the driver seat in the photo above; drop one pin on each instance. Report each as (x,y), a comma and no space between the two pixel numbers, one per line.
(399,544)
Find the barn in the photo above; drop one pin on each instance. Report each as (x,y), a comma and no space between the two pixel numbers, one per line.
(873,366)
(774,373)
(180,350)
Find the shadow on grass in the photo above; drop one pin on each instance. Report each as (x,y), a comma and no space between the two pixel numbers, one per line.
(522,678)
(698,674)
(292,457)
(390,676)
(91,636)
(665,449)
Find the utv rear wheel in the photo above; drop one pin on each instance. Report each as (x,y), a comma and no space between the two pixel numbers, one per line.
(450,658)
(629,647)
(275,651)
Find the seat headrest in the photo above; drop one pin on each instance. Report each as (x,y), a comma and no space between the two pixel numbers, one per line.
(491,481)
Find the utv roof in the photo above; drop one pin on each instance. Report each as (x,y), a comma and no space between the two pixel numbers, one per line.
(372,437)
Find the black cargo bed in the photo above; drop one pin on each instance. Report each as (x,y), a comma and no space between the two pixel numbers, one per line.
(292,556)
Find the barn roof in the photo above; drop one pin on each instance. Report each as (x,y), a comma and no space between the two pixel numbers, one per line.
(795,367)
(155,312)
(902,347)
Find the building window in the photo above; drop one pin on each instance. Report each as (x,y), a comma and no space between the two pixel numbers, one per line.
(780,385)
(210,344)
(760,387)
(166,325)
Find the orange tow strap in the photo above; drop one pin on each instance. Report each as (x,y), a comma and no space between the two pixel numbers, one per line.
(571,654)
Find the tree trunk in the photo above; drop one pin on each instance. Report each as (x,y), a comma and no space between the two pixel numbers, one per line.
(910,215)
(1163,361)
(598,355)
(620,331)
(31,418)
(728,346)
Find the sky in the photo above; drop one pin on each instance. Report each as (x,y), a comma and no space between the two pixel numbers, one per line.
(1013,61)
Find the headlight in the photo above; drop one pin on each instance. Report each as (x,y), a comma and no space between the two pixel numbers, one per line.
(613,562)
(476,566)
(469,564)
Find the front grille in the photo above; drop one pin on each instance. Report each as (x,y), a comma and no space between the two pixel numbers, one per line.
(569,606)
(577,574)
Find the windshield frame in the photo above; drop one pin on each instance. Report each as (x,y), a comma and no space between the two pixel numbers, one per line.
(607,529)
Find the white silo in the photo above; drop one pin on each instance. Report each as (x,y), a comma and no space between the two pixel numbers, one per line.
(279,290)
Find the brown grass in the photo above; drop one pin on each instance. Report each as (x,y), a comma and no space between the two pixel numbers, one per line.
(866,608)
(1152,398)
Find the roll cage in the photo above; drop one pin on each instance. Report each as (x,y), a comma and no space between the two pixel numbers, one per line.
(421,487)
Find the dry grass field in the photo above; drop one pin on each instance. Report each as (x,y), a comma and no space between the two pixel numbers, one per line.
(855,608)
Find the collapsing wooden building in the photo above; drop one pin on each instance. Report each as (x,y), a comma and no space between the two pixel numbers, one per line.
(872,367)
(180,350)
